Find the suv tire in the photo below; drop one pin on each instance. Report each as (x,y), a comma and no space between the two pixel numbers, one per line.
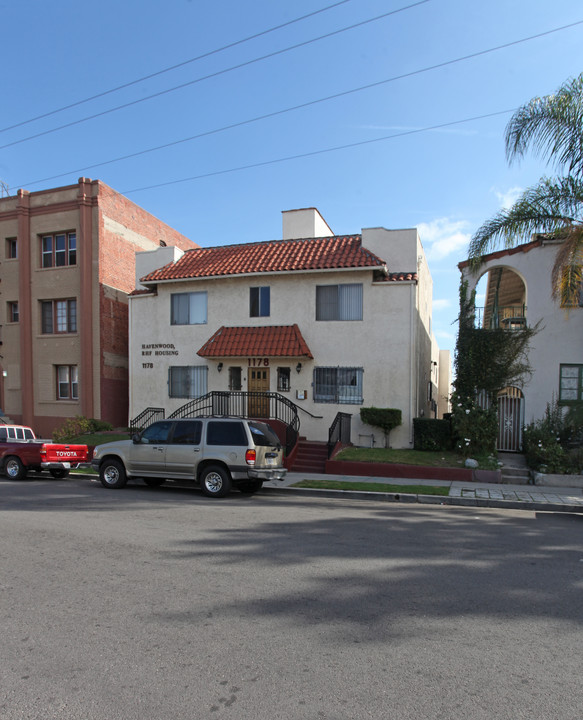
(215,481)
(112,474)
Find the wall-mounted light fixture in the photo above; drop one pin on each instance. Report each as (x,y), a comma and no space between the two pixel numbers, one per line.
(220,367)
(298,367)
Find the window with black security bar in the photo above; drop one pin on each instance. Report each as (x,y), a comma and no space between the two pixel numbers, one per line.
(340,385)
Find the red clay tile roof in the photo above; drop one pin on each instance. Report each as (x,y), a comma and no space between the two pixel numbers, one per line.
(399,277)
(264,341)
(525,247)
(327,253)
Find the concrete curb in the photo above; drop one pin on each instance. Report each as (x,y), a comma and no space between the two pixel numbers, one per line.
(407,498)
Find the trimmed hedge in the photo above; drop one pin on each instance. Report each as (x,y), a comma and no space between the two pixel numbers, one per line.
(431,434)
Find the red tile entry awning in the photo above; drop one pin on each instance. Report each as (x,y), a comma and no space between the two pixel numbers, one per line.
(265,341)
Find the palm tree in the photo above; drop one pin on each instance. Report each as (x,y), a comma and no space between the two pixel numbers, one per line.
(552,127)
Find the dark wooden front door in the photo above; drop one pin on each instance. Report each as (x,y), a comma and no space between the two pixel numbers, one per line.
(258,384)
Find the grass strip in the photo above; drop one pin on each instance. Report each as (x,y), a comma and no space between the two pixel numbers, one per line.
(374,487)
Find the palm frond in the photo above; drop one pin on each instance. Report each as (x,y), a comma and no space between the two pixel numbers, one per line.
(567,273)
(552,206)
(551,127)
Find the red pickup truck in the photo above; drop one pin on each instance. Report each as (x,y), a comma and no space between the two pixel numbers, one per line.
(21,451)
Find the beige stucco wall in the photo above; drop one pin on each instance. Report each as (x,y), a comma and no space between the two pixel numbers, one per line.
(384,343)
(560,338)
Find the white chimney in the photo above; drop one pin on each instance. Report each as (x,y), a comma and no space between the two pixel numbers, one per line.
(304,223)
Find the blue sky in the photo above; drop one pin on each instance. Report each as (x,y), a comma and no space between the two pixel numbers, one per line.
(436,173)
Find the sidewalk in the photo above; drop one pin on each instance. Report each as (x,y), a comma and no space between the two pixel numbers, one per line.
(516,497)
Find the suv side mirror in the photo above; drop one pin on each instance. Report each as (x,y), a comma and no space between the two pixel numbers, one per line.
(136,438)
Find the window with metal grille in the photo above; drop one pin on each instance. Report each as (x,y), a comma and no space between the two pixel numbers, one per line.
(259,301)
(58,316)
(235,379)
(339,302)
(188,308)
(338,385)
(570,384)
(283,379)
(187,381)
(67,382)
(59,250)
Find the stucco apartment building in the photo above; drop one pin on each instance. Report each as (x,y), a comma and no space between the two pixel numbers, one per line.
(519,293)
(331,322)
(67,264)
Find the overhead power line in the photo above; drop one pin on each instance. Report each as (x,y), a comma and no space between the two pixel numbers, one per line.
(214,74)
(175,67)
(317,152)
(309,103)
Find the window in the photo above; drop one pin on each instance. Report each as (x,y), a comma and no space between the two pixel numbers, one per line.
(58,316)
(11,249)
(157,433)
(571,384)
(59,250)
(226,433)
(67,382)
(339,302)
(338,385)
(259,302)
(283,379)
(187,381)
(12,313)
(188,308)
(187,432)
(235,379)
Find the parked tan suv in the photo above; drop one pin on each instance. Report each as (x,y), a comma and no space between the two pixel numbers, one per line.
(216,453)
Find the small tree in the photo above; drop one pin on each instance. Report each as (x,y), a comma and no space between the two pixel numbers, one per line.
(384,418)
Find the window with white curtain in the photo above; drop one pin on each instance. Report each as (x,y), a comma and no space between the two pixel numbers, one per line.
(339,302)
(187,381)
(188,308)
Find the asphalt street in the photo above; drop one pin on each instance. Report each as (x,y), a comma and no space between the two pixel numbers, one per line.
(159,603)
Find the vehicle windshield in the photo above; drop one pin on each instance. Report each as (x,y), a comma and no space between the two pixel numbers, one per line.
(263,435)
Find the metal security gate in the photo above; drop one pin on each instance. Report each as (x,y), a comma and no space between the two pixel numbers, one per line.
(510,420)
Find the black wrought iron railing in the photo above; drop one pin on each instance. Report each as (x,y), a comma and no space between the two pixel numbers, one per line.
(146,418)
(339,431)
(512,317)
(260,405)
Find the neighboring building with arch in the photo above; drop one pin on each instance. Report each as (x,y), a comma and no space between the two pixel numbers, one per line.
(519,293)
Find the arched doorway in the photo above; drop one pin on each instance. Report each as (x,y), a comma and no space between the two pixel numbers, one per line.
(510,419)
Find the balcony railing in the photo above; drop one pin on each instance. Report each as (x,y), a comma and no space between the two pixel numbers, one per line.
(512,317)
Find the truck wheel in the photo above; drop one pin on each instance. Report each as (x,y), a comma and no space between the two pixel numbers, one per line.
(14,468)
(112,474)
(215,481)
(154,482)
(250,486)
(58,474)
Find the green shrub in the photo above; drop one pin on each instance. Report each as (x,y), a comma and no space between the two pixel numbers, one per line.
(99,426)
(474,429)
(553,443)
(72,427)
(431,434)
(384,418)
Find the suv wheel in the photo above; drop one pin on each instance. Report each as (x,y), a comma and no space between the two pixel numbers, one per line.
(215,481)
(112,474)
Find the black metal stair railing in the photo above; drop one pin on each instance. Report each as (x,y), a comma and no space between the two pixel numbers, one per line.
(339,431)
(260,405)
(146,418)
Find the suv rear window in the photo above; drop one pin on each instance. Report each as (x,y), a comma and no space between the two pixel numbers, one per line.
(263,435)
(226,433)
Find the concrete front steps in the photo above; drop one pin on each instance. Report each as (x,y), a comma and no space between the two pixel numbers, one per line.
(311,457)
(514,469)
